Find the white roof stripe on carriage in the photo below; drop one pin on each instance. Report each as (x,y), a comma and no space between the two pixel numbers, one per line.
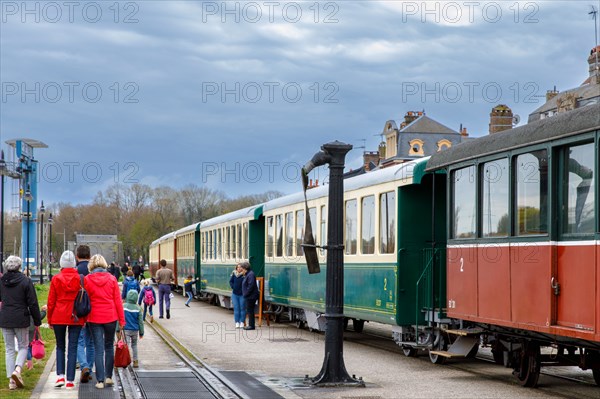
(246,213)
(183,230)
(402,173)
(163,238)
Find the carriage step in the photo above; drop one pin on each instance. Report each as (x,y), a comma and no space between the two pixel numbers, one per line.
(462,346)
(465,333)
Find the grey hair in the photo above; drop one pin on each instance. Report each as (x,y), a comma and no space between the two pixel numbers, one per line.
(13,263)
(245,265)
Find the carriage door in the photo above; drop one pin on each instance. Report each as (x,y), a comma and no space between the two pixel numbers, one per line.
(573,284)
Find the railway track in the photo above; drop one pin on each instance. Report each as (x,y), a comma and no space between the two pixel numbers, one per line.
(136,386)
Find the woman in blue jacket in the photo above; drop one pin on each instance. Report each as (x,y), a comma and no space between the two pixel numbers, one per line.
(237,297)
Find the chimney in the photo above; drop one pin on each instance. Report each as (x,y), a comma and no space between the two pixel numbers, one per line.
(463,132)
(370,156)
(594,62)
(550,94)
(410,117)
(381,150)
(501,118)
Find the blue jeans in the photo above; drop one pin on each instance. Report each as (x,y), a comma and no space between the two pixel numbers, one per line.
(190,297)
(104,337)
(60,332)
(164,292)
(147,308)
(239,308)
(85,348)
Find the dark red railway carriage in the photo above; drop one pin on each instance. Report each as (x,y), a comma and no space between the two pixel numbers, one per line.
(523,253)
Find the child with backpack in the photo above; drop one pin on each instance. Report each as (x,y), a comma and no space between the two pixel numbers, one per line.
(134,323)
(130,283)
(148,297)
(187,284)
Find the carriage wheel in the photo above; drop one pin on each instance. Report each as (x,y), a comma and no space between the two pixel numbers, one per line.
(442,345)
(358,325)
(528,369)
(409,351)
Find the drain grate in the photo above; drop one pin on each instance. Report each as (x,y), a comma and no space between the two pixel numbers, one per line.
(250,385)
(170,384)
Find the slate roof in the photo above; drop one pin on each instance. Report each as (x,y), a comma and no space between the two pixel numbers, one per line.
(582,93)
(424,124)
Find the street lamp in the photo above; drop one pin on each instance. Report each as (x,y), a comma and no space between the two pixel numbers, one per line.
(28,197)
(42,211)
(50,221)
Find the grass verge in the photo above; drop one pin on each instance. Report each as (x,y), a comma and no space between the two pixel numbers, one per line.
(31,377)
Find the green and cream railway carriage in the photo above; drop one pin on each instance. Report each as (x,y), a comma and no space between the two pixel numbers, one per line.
(225,241)
(389,274)
(188,242)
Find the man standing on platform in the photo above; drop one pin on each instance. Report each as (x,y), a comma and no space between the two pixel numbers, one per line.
(85,345)
(164,278)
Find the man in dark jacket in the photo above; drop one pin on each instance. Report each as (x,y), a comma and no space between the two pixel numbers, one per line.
(83,258)
(250,293)
(85,345)
(114,270)
(19,304)
(137,270)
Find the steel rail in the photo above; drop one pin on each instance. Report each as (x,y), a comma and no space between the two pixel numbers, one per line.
(200,372)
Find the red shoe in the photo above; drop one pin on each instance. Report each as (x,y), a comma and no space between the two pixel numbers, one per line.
(70,385)
(59,382)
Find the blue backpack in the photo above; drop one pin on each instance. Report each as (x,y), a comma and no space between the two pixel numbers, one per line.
(132,285)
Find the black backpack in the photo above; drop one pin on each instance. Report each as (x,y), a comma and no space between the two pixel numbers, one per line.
(82,305)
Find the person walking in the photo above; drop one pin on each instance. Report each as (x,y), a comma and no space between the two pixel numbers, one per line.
(137,270)
(63,289)
(114,270)
(237,297)
(85,344)
(164,278)
(148,297)
(107,309)
(134,323)
(187,286)
(130,283)
(250,293)
(19,302)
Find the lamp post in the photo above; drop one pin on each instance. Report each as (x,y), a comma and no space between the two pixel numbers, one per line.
(50,221)
(28,197)
(42,211)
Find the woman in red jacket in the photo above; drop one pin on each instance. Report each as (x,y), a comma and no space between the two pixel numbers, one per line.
(107,308)
(63,290)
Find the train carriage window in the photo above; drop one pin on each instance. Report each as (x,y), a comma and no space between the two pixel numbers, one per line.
(532,193)
(279,236)
(464,203)
(495,199)
(289,234)
(387,223)
(367,236)
(579,190)
(215,245)
(219,245)
(350,232)
(299,232)
(270,236)
(323,224)
(227,243)
(245,243)
(234,242)
(239,240)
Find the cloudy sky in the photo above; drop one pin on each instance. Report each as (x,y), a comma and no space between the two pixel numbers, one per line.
(236,95)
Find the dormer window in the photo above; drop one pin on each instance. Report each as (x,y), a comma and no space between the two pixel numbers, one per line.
(416,148)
